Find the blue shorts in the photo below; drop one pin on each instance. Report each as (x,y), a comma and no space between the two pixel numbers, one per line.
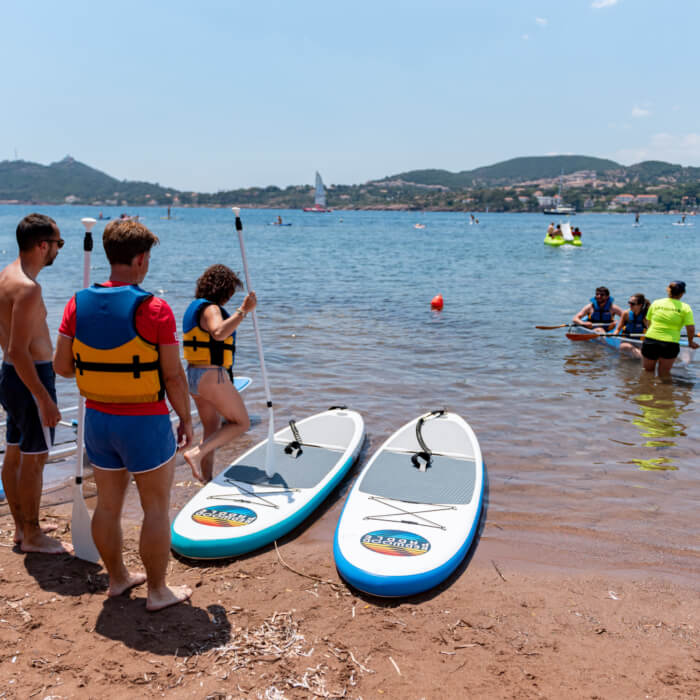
(24,426)
(136,443)
(195,374)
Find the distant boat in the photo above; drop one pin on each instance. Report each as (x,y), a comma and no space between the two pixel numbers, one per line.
(319,198)
(561,209)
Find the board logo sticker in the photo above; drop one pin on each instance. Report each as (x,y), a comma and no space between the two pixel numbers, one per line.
(224,516)
(395,543)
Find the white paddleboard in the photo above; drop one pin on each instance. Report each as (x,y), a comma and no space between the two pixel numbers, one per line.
(244,509)
(404,530)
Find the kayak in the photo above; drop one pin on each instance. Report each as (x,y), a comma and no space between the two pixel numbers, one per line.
(250,504)
(581,333)
(414,510)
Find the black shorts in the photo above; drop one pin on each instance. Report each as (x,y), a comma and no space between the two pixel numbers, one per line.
(24,426)
(660,349)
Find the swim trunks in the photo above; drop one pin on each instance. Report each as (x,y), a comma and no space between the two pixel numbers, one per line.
(24,426)
(136,443)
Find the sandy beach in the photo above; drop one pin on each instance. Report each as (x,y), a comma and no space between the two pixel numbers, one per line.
(281,624)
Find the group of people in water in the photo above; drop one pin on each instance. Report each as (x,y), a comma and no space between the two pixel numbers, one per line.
(659,323)
(556,232)
(120,343)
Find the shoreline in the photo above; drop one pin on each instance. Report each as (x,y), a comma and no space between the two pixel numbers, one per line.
(389,208)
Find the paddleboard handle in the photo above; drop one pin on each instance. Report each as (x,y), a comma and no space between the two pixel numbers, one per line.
(294,447)
(422,460)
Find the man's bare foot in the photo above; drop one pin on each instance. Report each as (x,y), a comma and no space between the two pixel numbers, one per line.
(195,461)
(19,535)
(118,587)
(169,595)
(45,545)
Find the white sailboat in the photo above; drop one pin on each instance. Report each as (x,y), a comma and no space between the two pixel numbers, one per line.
(319,197)
(561,208)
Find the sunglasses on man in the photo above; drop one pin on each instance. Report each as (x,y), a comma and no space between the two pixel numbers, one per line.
(58,241)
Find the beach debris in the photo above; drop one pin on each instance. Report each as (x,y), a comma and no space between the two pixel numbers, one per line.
(395,665)
(613,595)
(498,571)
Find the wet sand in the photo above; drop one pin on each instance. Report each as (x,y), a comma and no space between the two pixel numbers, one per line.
(544,607)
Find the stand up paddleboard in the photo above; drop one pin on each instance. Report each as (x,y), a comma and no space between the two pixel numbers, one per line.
(244,509)
(412,514)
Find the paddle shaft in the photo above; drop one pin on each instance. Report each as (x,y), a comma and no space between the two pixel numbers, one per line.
(81,531)
(87,251)
(565,325)
(268,396)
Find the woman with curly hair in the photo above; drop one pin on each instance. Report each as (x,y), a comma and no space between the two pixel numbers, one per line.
(209,339)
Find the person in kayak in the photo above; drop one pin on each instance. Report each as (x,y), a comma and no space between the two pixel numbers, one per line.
(666,317)
(633,323)
(599,314)
(209,347)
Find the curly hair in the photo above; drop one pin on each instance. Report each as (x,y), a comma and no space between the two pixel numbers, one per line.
(218,283)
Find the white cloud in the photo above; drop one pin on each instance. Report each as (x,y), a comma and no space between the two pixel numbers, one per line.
(598,4)
(526,37)
(541,21)
(672,148)
(639,112)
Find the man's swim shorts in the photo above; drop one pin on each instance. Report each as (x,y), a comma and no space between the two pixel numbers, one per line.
(24,426)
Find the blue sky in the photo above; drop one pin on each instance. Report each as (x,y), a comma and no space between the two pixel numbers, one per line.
(217,95)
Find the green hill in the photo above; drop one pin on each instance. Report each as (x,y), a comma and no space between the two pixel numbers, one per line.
(33,182)
(510,171)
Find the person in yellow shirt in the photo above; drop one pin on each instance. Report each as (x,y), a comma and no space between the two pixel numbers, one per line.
(666,317)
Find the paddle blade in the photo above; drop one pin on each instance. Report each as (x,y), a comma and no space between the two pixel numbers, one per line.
(81,531)
(583,336)
(551,328)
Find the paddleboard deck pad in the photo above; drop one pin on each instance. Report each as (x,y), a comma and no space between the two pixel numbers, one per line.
(414,510)
(245,508)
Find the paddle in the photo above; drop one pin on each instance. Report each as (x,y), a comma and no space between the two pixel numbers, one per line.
(81,526)
(564,325)
(269,452)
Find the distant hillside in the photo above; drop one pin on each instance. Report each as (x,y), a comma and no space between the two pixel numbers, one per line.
(509,171)
(33,182)
(676,187)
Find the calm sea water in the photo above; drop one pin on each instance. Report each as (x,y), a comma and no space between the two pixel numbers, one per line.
(576,439)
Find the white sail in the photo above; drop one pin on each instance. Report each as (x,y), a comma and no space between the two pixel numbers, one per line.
(320,198)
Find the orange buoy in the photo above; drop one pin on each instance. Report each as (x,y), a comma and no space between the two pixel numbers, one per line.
(436,302)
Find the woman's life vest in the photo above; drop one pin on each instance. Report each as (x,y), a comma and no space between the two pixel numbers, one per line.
(199,346)
(601,314)
(635,324)
(113,364)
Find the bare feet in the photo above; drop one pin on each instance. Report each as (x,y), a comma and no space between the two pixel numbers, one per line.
(19,535)
(169,595)
(45,545)
(118,587)
(193,458)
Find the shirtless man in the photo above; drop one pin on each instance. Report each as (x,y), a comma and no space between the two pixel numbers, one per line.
(27,380)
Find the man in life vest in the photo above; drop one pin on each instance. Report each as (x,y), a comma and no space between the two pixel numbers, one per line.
(120,343)
(599,314)
(27,380)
